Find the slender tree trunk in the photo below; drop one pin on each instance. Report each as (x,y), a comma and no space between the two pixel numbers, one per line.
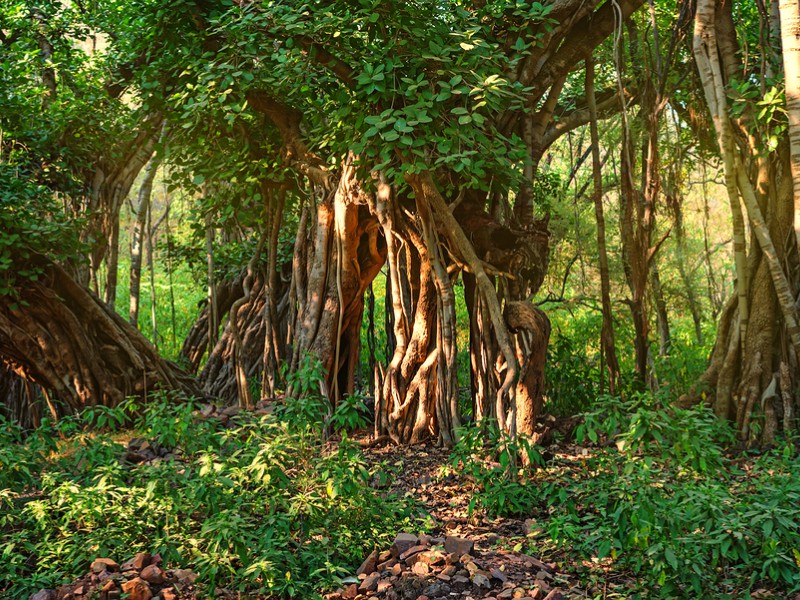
(607,343)
(790,42)
(137,238)
(662,316)
(213,309)
(151,269)
(113,266)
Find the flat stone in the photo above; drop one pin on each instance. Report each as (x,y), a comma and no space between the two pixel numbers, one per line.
(184,576)
(44,594)
(555,595)
(481,580)
(386,565)
(457,545)
(137,589)
(412,551)
(369,565)
(498,574)
(168,594)
(350,592)
(421,569)
(370,584)
(104,564)
(152,574)
(402,542)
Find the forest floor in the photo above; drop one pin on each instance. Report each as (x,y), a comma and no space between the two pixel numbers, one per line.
(445,493)
(421,518)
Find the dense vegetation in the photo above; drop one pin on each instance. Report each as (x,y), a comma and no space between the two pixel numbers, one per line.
(559,240)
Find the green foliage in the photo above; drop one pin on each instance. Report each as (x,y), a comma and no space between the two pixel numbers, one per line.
(255,508)
(660,499)
(350,414)
(492,461)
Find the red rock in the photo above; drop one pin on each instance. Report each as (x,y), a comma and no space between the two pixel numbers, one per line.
(370,584)
(387,565)
(412,551)
(498,574)
(457,545)
(369,565)
(137,589)
(104,564)
(350,592)
(152,574)
(141,560)
(169,594)
(402,542)
(421,569)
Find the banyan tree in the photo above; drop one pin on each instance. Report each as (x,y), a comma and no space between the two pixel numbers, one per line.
(407,136)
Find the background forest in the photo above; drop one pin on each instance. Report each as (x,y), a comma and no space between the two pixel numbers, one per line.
(302,252)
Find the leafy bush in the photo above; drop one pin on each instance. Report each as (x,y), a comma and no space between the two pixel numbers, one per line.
(255,508)
(660,499)
(491,461)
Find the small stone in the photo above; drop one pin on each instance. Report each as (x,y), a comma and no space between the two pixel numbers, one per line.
(370,584)
(231,411)
(425,539)
(137,589)
(460,579)
(369,565)
(402,542)
(498,574)
(384,556)
(457,545)
(78,591)
(421,569)
(44,594)
(387,565)
(156,560)
(554,595)
(481,580)
(141,560)
(449,570)
(351,592)
(383,586)
(412,551)
(152,574)
(542,574)
(184,576)
(443,577)
(104,564)
(169,594)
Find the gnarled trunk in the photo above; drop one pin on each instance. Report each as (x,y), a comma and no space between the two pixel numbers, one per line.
(59,335)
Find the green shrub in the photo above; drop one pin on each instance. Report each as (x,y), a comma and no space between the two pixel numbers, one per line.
(257,508)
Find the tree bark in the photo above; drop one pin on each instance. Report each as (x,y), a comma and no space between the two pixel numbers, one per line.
(137,237)
(608,351)
(60,336)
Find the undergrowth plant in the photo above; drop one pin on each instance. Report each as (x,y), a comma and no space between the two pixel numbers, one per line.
(657,497)
(257,507)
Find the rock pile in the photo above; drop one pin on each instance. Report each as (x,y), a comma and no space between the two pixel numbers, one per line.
(140,578)
(424,568)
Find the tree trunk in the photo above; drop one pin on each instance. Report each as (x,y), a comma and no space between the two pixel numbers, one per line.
(753,369)
(790,42)
(137,237)
(60,336)
(608,351)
